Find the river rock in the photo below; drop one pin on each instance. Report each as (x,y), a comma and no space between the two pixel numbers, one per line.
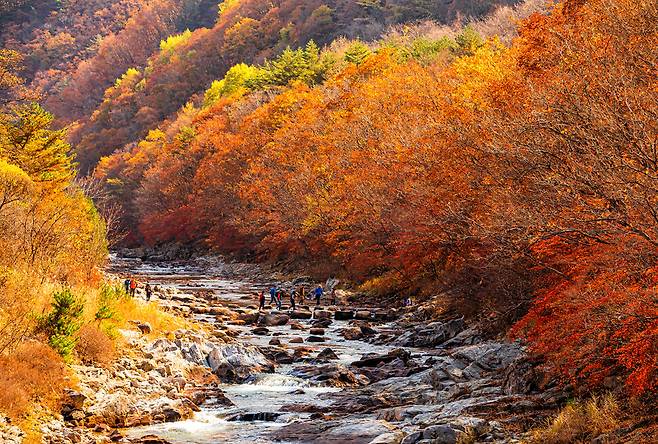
(297,326)
(348,430)
(431,335)
(275,341)
(322,323)
(332,374)
(315,339)
(296,340)
(236,362)
(351,333)
(274,319)
(148,439)
(362,315)
(344,315)
(301,314)
(321,314)
(372,360)
(249,317)
(489,355)
(261,331)
(316,331)
(367,330)
(327,354)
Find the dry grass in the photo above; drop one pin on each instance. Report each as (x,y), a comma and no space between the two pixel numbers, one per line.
(34,372)
(580,422)
(138,310)
(94,346)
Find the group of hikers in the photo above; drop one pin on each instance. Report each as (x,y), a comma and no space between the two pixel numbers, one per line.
(277,295)
(131,284)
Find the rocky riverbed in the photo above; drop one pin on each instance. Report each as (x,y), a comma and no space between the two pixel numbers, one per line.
(329,374)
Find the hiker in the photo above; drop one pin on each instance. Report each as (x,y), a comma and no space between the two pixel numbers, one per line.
(318,294)
(126,285)
(133,287)
(407,301)
(278,299)
(272,294)
(333,296)
(261,300)
(302,293)
(292,299)
(149,291)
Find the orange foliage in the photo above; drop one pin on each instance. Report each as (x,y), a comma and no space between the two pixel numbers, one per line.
(505,174)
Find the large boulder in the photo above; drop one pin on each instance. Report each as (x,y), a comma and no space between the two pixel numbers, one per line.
(432,335)
(332,374)
(301,314)
(348,430)
(236,362)
(489,355)
(374,359)
(321,314)
(344,315)
(274,319)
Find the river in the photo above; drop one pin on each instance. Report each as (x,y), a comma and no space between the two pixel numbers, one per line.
(262,393)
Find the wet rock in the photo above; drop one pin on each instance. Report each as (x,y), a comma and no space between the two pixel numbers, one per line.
(395,368)
(316,331)
(296,340)
(322,323)
(344,315)
(274,319)
(332,374)
(327,354)
(315,339)
(236,362)
(261,331)
(372,360)
(348,430)
(362,315)
(275,341)
(260,416)
(321,314)
(301,314)
(297,326)
(148,439)
(367,330)
(249,317)
(351,333)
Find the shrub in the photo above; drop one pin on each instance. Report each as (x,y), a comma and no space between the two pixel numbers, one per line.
(580,421)
(33,372)
(109,296)
(94,347)
(62,323)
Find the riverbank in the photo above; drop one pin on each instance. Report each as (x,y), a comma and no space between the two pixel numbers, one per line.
(339,373)
(330,374)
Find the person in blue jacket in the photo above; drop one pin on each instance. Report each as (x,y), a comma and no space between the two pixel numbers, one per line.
(318,294)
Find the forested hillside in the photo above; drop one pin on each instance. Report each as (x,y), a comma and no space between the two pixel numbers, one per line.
(434,161)
(498,159)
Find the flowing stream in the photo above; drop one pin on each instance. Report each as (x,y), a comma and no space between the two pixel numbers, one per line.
(264,393)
